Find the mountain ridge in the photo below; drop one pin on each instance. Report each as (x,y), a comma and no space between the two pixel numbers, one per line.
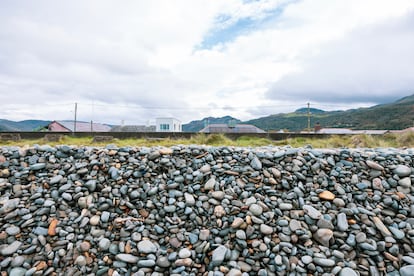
(387,116)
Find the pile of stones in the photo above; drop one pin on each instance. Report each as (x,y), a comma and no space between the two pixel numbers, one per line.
(198,210)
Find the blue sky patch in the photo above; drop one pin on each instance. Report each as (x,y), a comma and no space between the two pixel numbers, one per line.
(225,31)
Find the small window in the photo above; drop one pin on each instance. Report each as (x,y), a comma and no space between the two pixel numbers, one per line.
(164,126)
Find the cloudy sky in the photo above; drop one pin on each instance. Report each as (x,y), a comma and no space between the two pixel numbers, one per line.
(135,60)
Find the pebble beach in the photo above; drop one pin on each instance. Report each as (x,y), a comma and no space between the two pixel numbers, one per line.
(201,210)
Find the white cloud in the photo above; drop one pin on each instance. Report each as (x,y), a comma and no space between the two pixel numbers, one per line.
(368,64)
(146,58)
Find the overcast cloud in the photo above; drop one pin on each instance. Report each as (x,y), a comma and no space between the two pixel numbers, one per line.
(138,60)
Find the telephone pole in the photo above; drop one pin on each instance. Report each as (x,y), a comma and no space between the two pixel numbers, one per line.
(76,111)
(309,114)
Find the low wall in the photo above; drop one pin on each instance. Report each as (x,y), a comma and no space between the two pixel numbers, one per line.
(156,135)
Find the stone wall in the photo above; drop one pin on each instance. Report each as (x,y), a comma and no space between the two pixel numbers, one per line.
(192,210)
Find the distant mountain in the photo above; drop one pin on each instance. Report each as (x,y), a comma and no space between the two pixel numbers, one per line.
(392,116)
(26,125)
(196,126)
(311,110)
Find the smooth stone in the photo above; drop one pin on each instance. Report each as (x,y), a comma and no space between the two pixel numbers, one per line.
(240,234)
(18,271)
(218,255)
(91,185)
(18,261)
(237,222)
(146,263)
(312,212)
(256,164)
(11,248)
(163,261)
(402,170)
(347,271)
(374,165)
(326,195)
(307,259)
(407,270)
(294,225)
(266,229)
(204,234)
(189,199)
(104,244)
(12,230)
(95,220)
(381,227)
(184,262)
(38,166)
(210,184)
(256,209)
(184,253)
(285,206)
(146,246)
(219,195)
(127,258)
(234,272)
(324,262)
(56,179)
(397,233)
(342,222)
(323,236)
(80,261)
(205,168)
(84,246)
(105,216)
(405,182)
(360,237)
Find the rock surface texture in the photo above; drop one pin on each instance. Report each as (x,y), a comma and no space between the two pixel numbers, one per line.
(197,210)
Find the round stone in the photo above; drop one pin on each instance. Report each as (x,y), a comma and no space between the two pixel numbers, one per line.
(407,270)
(146,246)
(80,261)
(402,170)
(104,244)
(95,220)
(127,258)
(347,271)
(12,230)
(84,246)
(256,209)
(306,259)
(184,253)
(323,236)
(326,195)
(18,271)
(266,229)
(240,234)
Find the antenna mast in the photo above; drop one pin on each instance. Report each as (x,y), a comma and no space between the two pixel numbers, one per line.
(309,115)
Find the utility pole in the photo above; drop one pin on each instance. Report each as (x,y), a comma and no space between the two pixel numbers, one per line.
(74,124)
(309,114)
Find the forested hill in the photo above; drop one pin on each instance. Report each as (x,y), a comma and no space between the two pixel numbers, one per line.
(392,116)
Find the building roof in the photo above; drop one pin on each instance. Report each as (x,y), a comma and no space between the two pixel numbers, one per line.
(167,118)
(349,131)
(370,131)
(133,128)
(335,131)
(225,128)
(83,126)
(403,130)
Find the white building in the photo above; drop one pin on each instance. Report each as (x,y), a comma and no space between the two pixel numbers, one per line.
(168,124)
